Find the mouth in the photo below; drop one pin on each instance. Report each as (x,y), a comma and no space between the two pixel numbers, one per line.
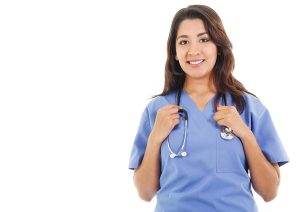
(195,62)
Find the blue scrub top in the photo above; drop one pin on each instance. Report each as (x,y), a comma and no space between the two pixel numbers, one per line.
(213,176)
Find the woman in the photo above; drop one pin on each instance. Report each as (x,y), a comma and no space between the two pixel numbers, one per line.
(205,139)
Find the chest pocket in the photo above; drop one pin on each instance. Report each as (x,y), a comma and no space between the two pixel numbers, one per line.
(230,155)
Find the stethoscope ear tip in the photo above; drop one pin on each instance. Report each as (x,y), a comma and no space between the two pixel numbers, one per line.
(182,154)
(172,155)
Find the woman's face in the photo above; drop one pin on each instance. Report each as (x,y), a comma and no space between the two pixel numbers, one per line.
(196,53)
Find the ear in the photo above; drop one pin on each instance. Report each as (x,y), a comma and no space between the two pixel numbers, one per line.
(176,58)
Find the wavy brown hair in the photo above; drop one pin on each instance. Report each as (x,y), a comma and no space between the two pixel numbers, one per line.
(222,72)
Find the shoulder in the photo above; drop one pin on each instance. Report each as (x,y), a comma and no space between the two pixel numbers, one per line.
(160,101)
(153,106)
(253,105)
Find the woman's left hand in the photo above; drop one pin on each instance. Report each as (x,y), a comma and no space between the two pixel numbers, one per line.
(228,116)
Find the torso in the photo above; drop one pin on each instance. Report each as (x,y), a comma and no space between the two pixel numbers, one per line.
(189,183)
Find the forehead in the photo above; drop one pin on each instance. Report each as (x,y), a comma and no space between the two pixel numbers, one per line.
(191,27)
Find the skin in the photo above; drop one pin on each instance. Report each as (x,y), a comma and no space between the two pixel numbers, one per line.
(194,44)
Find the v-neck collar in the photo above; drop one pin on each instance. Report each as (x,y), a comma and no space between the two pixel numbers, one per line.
(209,107)
(195,114)
(202,118)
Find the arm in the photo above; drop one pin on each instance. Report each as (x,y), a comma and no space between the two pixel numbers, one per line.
(265,176)
(147,175)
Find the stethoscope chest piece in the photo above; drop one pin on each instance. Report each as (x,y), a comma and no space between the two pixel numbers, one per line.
(227,133)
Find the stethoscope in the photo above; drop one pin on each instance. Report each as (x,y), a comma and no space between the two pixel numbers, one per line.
(226,132)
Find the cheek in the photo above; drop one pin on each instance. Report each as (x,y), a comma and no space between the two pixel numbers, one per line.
(181,60)
(212,54)
(180,54)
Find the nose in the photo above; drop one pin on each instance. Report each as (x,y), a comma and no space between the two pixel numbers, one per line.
(193,50)
(190,53)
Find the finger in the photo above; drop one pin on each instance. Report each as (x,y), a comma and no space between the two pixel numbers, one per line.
(222,107)
(175,122)
(218,118)
(222,122)
(220,114)
(169,109)
(174,119)
(172,106)
(172,111)
(174,116)
(229,108)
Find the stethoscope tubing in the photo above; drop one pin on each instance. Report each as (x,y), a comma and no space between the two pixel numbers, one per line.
(226,133)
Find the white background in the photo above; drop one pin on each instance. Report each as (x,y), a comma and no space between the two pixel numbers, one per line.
(75,77)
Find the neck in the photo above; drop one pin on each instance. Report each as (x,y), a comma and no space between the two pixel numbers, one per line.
(198,86)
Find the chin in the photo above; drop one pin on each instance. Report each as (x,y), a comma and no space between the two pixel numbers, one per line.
(198,75)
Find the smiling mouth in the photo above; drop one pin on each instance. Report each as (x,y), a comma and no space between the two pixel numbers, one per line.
(195,62)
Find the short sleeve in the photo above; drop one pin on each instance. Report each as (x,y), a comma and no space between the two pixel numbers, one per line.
(268,139)
(140,141)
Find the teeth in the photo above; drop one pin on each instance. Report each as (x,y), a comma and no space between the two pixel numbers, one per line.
(196,62)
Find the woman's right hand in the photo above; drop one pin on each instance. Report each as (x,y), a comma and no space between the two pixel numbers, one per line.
(166,119)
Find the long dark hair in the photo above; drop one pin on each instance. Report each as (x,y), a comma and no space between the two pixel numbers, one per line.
(222,72)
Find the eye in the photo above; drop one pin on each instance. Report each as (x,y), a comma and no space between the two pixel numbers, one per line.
(204,40)
(183,42)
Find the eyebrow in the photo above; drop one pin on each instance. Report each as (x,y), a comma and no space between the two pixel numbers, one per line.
(185,36)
